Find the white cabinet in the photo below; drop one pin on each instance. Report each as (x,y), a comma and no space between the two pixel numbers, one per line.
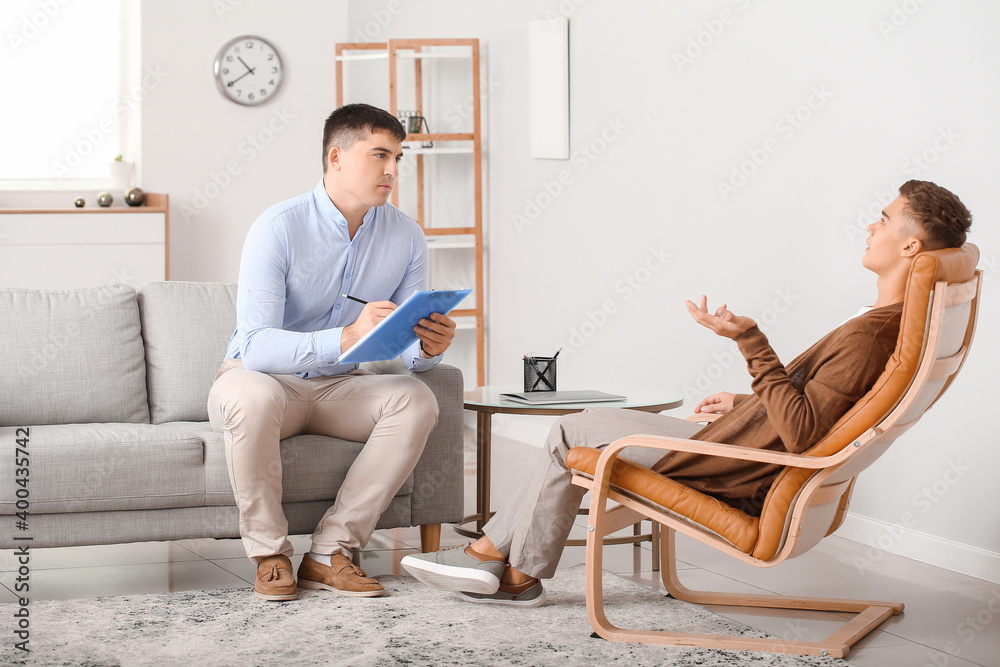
(70,248)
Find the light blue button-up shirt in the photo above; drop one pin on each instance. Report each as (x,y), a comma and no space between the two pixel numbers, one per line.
(297,261)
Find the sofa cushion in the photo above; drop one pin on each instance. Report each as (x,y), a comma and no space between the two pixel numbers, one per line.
(186,327)
(114,467)
(313,467)
(108,467)
(71,356)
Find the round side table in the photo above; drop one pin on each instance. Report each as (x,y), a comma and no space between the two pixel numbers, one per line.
(487,401)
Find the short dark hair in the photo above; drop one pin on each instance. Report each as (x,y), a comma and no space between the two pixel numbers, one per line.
(353,122)
(942,218)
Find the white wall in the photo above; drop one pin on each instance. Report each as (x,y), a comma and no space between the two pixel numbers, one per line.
(652,139)
(222,163)
(900,89)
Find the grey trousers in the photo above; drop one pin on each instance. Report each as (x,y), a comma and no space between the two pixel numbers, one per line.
(532,527)
(391,414)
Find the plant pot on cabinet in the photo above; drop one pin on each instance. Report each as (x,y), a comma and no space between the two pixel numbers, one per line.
(121,175)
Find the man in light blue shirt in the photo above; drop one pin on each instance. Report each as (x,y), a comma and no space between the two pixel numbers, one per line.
(281,376)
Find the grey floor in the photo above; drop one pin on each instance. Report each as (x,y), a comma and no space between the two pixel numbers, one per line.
(950,619)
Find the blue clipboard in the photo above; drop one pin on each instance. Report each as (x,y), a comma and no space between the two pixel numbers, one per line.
(391,336)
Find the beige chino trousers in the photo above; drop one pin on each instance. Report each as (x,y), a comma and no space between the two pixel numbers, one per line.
(391,414)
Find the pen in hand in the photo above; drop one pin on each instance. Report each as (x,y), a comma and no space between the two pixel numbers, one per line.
(354,298)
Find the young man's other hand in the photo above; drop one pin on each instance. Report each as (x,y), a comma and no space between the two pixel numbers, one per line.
(720,403)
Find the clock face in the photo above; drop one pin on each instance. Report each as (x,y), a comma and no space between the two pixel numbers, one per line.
(248,70)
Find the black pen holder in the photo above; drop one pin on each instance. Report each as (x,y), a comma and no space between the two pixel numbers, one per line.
(539,373)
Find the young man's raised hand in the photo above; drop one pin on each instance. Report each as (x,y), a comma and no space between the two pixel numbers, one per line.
(723,322)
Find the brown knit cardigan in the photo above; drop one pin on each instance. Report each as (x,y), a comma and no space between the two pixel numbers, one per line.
(790,408)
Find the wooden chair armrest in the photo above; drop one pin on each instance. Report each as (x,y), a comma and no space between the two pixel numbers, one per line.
(703,417)
(730,451)
(605,463)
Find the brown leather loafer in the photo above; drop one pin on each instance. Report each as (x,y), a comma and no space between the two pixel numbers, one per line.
(274,579)
(341,576)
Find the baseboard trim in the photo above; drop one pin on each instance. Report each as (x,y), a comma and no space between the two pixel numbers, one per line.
(881,536)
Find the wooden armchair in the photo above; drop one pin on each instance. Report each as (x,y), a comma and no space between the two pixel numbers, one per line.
(809,498)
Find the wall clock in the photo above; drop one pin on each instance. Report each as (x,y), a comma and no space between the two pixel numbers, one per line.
(248,70)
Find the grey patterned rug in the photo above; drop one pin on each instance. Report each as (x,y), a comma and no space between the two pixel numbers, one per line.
(413,625)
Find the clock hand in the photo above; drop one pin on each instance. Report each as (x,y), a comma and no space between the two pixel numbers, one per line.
(238,78)
(250,69)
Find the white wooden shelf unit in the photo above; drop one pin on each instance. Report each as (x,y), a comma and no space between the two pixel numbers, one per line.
(442,239)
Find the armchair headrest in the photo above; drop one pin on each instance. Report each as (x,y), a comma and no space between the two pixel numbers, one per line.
(952,265)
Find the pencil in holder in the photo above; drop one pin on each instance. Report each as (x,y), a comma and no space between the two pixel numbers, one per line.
(539,373)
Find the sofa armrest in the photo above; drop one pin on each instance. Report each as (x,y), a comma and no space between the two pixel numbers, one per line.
(438,478)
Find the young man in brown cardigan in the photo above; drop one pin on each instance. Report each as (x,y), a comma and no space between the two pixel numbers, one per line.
(790,409)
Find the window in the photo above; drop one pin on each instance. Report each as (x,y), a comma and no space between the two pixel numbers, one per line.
(62,118)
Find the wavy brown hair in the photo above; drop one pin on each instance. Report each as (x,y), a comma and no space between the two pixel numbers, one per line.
(942,218)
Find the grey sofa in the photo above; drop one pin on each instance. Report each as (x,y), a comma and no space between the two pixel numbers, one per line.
(112,386)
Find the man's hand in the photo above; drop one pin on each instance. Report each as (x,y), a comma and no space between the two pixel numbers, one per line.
(373,313)
(720,403)
(435,334)
(723,322)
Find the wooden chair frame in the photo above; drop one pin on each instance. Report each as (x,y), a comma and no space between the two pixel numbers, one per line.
(824,486)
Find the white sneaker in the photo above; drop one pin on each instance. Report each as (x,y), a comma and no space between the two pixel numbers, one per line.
(455,570)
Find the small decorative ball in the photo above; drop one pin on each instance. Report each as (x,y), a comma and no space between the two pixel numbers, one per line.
(79,202)
(104,199)
(135,197)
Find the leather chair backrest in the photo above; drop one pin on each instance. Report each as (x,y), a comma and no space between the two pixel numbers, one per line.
(950,265)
